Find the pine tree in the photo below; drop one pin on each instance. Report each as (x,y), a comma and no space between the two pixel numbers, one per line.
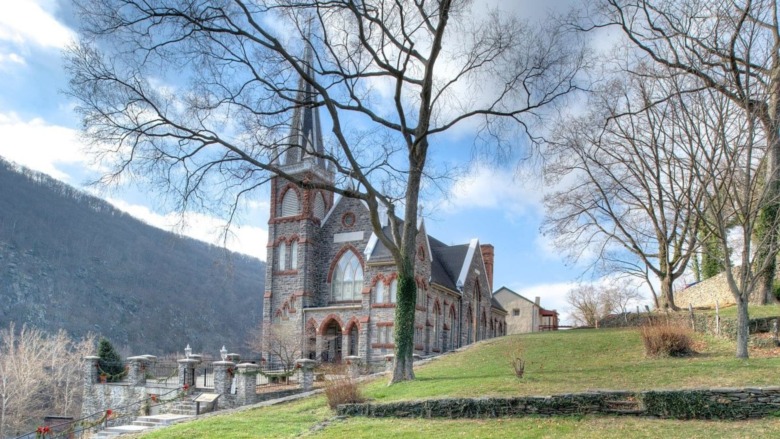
(110,362)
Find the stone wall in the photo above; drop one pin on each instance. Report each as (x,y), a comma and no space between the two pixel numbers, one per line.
(724,403)
(706,293)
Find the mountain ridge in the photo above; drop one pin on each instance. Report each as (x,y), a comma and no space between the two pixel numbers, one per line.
(73,261)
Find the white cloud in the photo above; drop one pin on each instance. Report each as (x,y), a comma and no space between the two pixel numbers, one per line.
(249,240)
(492,188)
(39,145)
(30,22)
(11,58)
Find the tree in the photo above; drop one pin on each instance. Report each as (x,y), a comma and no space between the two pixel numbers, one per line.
(281,343)
(589,303)
(733,50)
(622,196)
(730,170)
(110,361)
(39,374)
(195,97)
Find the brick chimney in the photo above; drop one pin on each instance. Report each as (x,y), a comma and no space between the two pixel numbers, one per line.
(488,257)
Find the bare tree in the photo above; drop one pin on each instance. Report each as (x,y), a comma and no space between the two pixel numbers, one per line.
(732,49)
(623,197)
(281,343)
(589,304)
(736,195)
(195,98)
(39,374)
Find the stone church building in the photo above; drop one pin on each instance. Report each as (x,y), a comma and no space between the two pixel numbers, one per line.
(332,281)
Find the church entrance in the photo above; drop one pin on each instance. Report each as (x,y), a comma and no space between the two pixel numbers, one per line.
(331,352)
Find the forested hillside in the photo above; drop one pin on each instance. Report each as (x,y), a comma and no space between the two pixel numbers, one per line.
(70,260)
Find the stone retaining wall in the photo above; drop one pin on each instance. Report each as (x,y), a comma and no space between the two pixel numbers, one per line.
(725,403)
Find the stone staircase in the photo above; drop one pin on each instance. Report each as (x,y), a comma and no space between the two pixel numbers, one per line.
(628,406)
(142,423)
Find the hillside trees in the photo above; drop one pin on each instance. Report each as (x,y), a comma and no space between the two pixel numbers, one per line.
(195,98)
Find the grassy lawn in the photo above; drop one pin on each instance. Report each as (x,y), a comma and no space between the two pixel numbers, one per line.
(557,362)
(754,311)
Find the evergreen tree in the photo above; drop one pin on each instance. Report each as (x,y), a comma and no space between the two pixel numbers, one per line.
(110,362)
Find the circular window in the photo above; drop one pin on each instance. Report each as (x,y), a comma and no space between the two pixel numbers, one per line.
(348,220)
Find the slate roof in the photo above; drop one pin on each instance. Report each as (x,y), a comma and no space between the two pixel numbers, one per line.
(497,305)
(447,260)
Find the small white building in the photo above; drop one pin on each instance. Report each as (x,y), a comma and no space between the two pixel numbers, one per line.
(525,315)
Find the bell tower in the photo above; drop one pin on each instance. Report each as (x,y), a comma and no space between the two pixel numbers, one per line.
(296,211)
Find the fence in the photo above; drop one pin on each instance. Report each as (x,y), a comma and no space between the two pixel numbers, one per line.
(87,426)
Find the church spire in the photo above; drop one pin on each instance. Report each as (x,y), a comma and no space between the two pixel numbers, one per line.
(305,132)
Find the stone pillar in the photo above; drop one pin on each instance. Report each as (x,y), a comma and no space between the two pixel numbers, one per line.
(187,371)
(307,373)
(246,383)
(389,362)
(91,370)
(319,347)
(136,373)
(353,365)
(223,376)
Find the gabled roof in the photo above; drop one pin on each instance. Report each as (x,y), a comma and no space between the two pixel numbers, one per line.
(447,261)
(496,305)
(503,288)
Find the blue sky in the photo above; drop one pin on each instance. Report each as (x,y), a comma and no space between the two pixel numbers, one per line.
(40,130)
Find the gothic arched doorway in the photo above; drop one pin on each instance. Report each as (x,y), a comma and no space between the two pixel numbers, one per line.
(331,352)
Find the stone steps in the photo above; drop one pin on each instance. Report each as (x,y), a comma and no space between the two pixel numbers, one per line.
(142,423)
(624,407)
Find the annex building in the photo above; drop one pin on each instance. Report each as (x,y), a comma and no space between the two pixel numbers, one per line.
(332,281)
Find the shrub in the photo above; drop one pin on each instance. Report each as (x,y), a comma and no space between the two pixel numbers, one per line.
(341,389)
(664,339)
(110,362)
(516,361)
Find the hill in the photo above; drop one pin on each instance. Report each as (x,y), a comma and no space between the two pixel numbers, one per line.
(556,363)
(70,260)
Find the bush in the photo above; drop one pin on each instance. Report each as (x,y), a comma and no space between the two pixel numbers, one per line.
(666,339)
(516,361)
(341,389)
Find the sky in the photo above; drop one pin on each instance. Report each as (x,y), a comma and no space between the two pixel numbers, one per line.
(40,130)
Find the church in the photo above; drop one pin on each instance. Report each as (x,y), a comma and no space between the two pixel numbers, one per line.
(332,281)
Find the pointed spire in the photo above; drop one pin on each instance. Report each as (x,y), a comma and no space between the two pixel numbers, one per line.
(306,131)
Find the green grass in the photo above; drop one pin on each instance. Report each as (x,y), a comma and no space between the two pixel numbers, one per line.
(557,362)
(754,311)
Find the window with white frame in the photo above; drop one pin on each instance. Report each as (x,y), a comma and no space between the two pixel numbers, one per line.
(282,256)
(394,291)
(347,281)
(294,255)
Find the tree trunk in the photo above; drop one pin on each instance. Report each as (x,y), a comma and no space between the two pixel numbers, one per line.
(404,324)
(667,293)
(742,327)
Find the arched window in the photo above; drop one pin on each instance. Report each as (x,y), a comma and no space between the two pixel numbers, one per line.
(282,256)
(393,291)
(348,278)
(294,255)
(379,288)
(290,203)
(319,206)
(436,325)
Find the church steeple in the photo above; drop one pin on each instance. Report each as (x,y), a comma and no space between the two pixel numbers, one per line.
(305,144)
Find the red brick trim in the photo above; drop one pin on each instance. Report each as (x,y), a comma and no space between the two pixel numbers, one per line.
(348,220)
(420,308)
(350,323)
(435,350)
(383,345)
(285,272)
(364,319)
(366,290)
(383,305)
(380,324)
(267,294)
(326,322)
(311,323)
(418,347)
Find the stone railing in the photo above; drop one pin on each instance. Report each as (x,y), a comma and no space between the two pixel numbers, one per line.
(722,403)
